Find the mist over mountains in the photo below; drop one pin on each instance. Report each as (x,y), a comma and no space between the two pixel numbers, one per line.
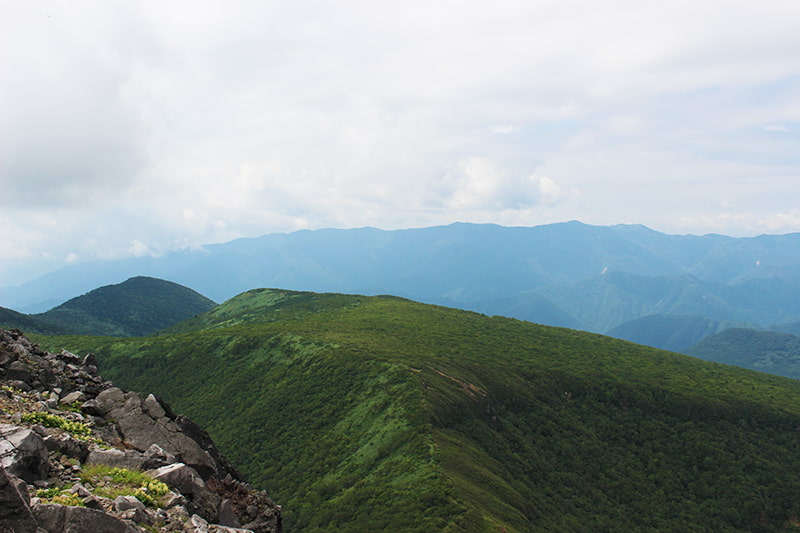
(595,278)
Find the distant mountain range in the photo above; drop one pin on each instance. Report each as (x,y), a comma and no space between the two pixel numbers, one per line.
(595,278)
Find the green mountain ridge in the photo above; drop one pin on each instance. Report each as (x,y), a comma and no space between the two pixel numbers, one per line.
(383,414)
(15,320)
(139,306)
(766,351)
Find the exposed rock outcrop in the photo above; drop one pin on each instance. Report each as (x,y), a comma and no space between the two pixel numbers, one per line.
(80,455)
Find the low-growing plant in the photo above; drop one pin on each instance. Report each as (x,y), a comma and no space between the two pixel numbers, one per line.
(76,429)
(68,498)
(74,407)
(60,495)
(110,482)
(48,492)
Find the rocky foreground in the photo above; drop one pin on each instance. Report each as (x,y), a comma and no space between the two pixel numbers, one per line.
(78,455)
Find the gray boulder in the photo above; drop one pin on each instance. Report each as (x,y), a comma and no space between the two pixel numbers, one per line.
(187,481)
(55,518)
(144,422)
(15,511)
(23,453)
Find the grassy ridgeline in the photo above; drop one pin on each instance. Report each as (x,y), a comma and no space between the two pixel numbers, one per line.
(372,414)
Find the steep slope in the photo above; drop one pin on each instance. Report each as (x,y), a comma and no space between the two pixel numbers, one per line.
(668,332)
(383,414)
(138,306)
(11,319)
(766,351)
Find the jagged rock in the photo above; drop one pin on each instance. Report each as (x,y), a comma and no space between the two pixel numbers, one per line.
(72,397)
(80,490)
(180,477)
(152,407)
(158,457)
(18,385)
(55,518)
(174,499)
(20,371)
(254,509)
(23,453)
(200,525)
(188,482)
(67,445)
(89,360)
(7,356)
(137,515)
(15,511)
(123,503)
(130,459)
(69,357)
(139,429)
(129,430)
(227,515)
(217,528)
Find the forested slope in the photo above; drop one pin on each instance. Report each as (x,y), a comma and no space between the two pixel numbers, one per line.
(382,414)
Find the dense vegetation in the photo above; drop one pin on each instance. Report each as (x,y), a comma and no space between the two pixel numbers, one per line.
(11,319)
(382,414)
(766,351)
(138,306)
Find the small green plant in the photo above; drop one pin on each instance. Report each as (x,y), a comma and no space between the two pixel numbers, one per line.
(76,429)
(60,495)
(110,482)
(74,407)
(48,493)
(68,498)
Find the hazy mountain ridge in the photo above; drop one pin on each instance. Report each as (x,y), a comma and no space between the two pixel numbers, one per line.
(381,413)
(595,278)
(668,332)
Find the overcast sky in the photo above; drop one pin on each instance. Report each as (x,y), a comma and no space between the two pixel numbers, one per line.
(134,128)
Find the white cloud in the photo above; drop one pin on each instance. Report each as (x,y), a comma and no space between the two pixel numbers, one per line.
(153,123)
(140,249)
(504,129)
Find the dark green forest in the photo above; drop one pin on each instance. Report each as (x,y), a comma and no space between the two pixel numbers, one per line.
(137,306)
(765,351)
(382,414)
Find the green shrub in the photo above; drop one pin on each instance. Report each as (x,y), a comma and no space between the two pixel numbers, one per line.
(76,429)
(110,482)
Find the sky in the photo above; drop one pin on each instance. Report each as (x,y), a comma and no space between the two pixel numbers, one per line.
(136,128)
